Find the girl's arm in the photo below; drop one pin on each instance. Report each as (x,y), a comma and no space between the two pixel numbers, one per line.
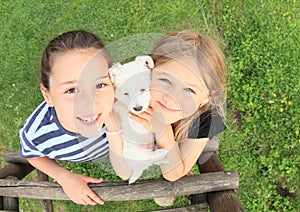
(181,155)
(115,140)
(74,185)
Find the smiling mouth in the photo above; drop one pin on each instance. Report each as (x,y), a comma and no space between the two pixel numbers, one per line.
(167,109)
(89,120)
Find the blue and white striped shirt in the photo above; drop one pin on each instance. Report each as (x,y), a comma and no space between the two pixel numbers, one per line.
(42,135)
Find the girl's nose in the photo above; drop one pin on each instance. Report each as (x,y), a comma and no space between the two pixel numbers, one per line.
(85,100)
(173,96)
(172,99)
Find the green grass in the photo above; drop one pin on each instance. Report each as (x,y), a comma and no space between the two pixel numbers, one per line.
(261,42)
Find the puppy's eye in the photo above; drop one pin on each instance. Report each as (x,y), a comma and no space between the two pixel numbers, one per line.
(142,90)
(126,94)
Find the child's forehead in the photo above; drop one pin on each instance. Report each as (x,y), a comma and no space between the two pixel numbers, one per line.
(78,66)
(88,52)
(187,66)
(75,57)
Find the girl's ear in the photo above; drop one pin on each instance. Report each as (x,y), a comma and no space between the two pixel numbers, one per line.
(46,95)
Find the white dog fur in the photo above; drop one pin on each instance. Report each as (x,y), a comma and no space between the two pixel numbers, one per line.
(132,90)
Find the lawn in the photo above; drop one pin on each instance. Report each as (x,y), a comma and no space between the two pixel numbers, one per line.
(260,40)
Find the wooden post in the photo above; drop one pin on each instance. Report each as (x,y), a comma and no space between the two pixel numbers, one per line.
(16,159)
(47,204)
(1,203)
(225,201)
(13,171)
(10,203)
(18,170)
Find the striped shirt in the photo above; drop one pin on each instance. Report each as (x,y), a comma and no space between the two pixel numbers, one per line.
(42,135)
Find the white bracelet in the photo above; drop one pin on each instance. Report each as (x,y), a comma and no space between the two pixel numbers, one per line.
(118,132)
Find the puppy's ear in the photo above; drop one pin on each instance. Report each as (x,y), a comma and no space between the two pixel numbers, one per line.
(145,60)
(114,71)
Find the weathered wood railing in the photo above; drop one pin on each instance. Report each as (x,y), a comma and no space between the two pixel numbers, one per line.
(214,184)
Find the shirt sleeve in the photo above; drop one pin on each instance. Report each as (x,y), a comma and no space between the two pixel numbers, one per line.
(28,129)
(207,125)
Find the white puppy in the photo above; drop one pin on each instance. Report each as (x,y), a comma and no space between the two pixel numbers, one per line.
(132,89)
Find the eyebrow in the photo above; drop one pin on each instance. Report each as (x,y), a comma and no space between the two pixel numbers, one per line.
(76,81)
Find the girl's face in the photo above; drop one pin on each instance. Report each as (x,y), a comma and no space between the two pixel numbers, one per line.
(80,91)
(176,92)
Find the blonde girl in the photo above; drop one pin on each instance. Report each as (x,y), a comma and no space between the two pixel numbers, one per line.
(187,94)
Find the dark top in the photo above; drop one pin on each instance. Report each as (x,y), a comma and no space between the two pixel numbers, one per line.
(207,125)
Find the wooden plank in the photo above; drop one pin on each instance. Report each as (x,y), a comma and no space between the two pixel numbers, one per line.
(121,191)
(225,201)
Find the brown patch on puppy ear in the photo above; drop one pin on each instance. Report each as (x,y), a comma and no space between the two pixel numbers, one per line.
(46,95)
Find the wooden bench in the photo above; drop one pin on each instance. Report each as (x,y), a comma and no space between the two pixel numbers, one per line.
(214,188)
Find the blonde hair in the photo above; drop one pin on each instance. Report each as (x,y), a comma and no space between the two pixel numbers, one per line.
(210,68)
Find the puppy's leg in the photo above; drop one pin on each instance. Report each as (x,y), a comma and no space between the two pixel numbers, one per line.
(135,175)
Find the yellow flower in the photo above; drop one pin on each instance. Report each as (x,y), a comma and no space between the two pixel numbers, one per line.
(284,14)
(294,1)
(297,132)
(281,110)
(289,102)
(283,100)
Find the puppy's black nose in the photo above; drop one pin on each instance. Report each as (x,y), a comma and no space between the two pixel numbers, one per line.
(138,108)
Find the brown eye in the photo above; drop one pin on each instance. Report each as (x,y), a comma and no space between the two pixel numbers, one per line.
(71,91)
(100,85)
(126,94)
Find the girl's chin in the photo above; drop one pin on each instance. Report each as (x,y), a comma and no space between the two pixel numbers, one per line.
(167,120)
(88,131)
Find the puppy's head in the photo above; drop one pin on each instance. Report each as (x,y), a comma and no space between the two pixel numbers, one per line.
(132,83)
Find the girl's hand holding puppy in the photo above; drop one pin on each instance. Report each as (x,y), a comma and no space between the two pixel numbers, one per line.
(151,120)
